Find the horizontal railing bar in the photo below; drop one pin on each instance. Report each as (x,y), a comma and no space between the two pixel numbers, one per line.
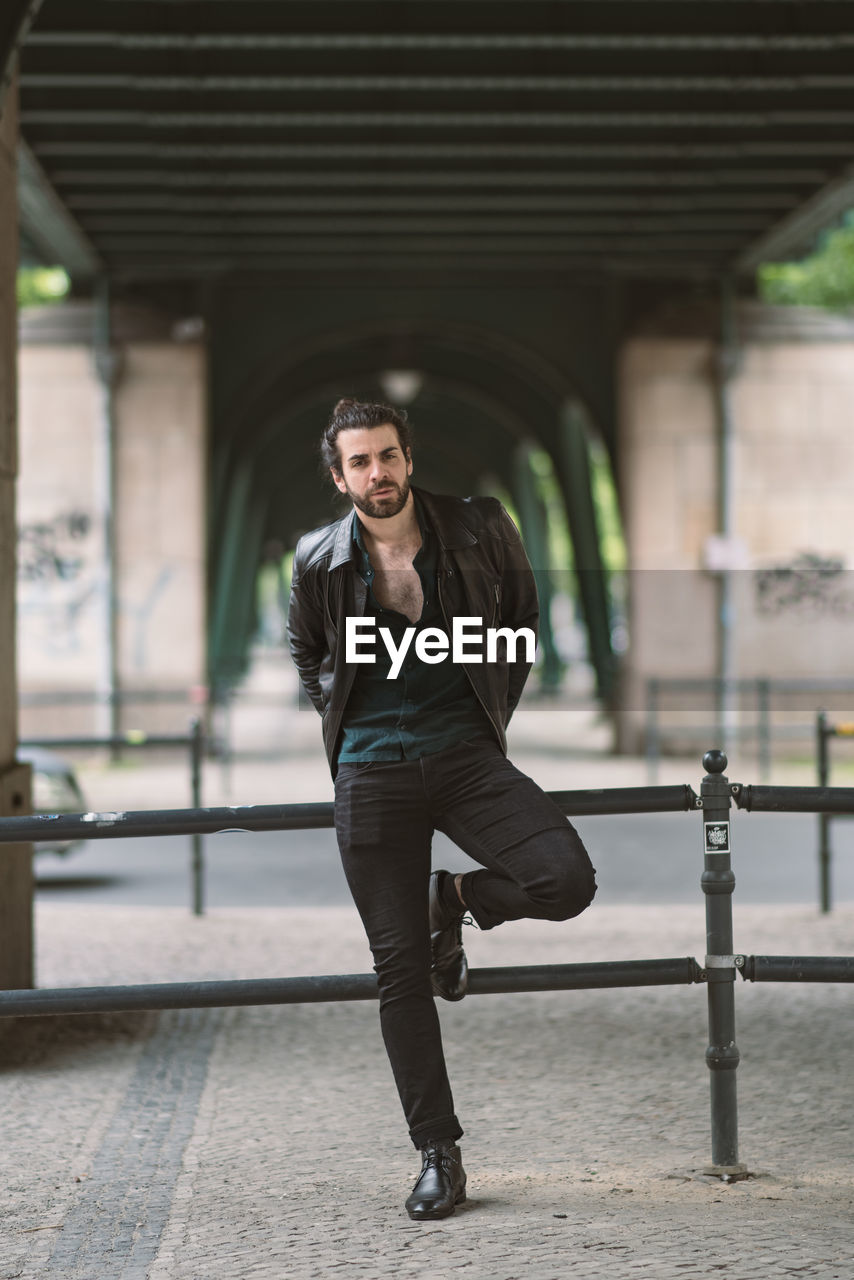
(87,697)
(673,799)
(333,987)
(759,799)
(130,739)
(805,684)
(165,822)
(690,733)
(294,817)
(798,968)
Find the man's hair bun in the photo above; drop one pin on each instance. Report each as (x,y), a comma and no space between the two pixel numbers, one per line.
(355,415)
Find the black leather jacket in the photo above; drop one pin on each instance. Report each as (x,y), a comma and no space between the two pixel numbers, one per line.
(483,573)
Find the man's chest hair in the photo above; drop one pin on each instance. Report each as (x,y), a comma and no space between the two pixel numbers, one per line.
(397,584)
(400,589)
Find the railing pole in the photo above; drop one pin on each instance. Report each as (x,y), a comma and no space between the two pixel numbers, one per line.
(198,863)
(653,747)
(722,1054)
(763,709)
(822,755)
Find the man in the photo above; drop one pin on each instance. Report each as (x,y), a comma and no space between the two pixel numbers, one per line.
(416,743)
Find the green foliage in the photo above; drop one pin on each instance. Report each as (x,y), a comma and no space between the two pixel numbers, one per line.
(612,542)
(41,286)
(607,506)
(824,279)
(548,487)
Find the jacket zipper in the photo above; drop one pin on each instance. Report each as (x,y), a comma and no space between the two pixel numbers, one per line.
(487,712)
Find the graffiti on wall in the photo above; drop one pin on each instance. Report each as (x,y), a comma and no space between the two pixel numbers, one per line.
(61,593)
(53,550)
(58,584)
(810,584)
(140,612)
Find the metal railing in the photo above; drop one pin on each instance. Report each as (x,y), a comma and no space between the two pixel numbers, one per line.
(119,698)
(755,720)
(138,740)
(824,732)
(718,970)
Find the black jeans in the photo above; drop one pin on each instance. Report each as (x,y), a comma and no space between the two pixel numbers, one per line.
(534,866)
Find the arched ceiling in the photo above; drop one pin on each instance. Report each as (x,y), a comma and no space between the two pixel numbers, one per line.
(499,394)
(666,139)
(461,435)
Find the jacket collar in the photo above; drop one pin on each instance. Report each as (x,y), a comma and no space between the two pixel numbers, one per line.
(342,547)
(443,516)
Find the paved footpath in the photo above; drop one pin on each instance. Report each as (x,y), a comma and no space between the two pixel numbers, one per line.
(269,1143)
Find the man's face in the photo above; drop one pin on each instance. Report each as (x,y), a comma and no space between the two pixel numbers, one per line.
(374,471)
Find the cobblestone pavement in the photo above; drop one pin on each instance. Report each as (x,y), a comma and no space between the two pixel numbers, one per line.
(269,1143)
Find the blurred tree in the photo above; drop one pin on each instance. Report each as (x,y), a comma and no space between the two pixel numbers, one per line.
(824,279)
(39,286)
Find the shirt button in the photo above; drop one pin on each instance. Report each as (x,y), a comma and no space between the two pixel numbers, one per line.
(402,728)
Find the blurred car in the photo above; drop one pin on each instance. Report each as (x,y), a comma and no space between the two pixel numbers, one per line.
(55,790)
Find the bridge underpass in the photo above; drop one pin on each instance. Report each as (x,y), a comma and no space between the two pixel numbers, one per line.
(482,399)
(494,196)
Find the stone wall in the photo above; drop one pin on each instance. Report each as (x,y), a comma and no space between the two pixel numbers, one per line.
(159,528)
(160,525)
(793,518)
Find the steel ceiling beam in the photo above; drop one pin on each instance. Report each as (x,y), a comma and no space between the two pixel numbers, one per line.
(143,82)
(522,180)
(605,131)
(797,234)
(283,202)
(520,228)
(47,224)
(279,54)
(678,153)
(626,18)
(634,121)
(545,270)
(16,18)
(441,42)
(664,243)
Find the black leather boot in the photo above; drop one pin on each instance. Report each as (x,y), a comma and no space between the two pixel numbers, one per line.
(441,1185)
(449,971)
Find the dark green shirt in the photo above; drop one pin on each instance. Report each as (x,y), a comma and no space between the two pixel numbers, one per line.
(428,706)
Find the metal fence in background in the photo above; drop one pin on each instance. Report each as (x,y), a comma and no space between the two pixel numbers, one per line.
(824,732)
(194,742)
(743,710)
(717,971)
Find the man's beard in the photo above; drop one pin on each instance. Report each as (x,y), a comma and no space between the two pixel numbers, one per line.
(382,508)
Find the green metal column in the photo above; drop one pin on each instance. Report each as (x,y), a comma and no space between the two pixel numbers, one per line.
(576,480)
(534,521)
(233,578)
(108,367)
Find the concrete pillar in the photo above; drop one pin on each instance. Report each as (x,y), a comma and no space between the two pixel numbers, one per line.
(16,879)
(668,452)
